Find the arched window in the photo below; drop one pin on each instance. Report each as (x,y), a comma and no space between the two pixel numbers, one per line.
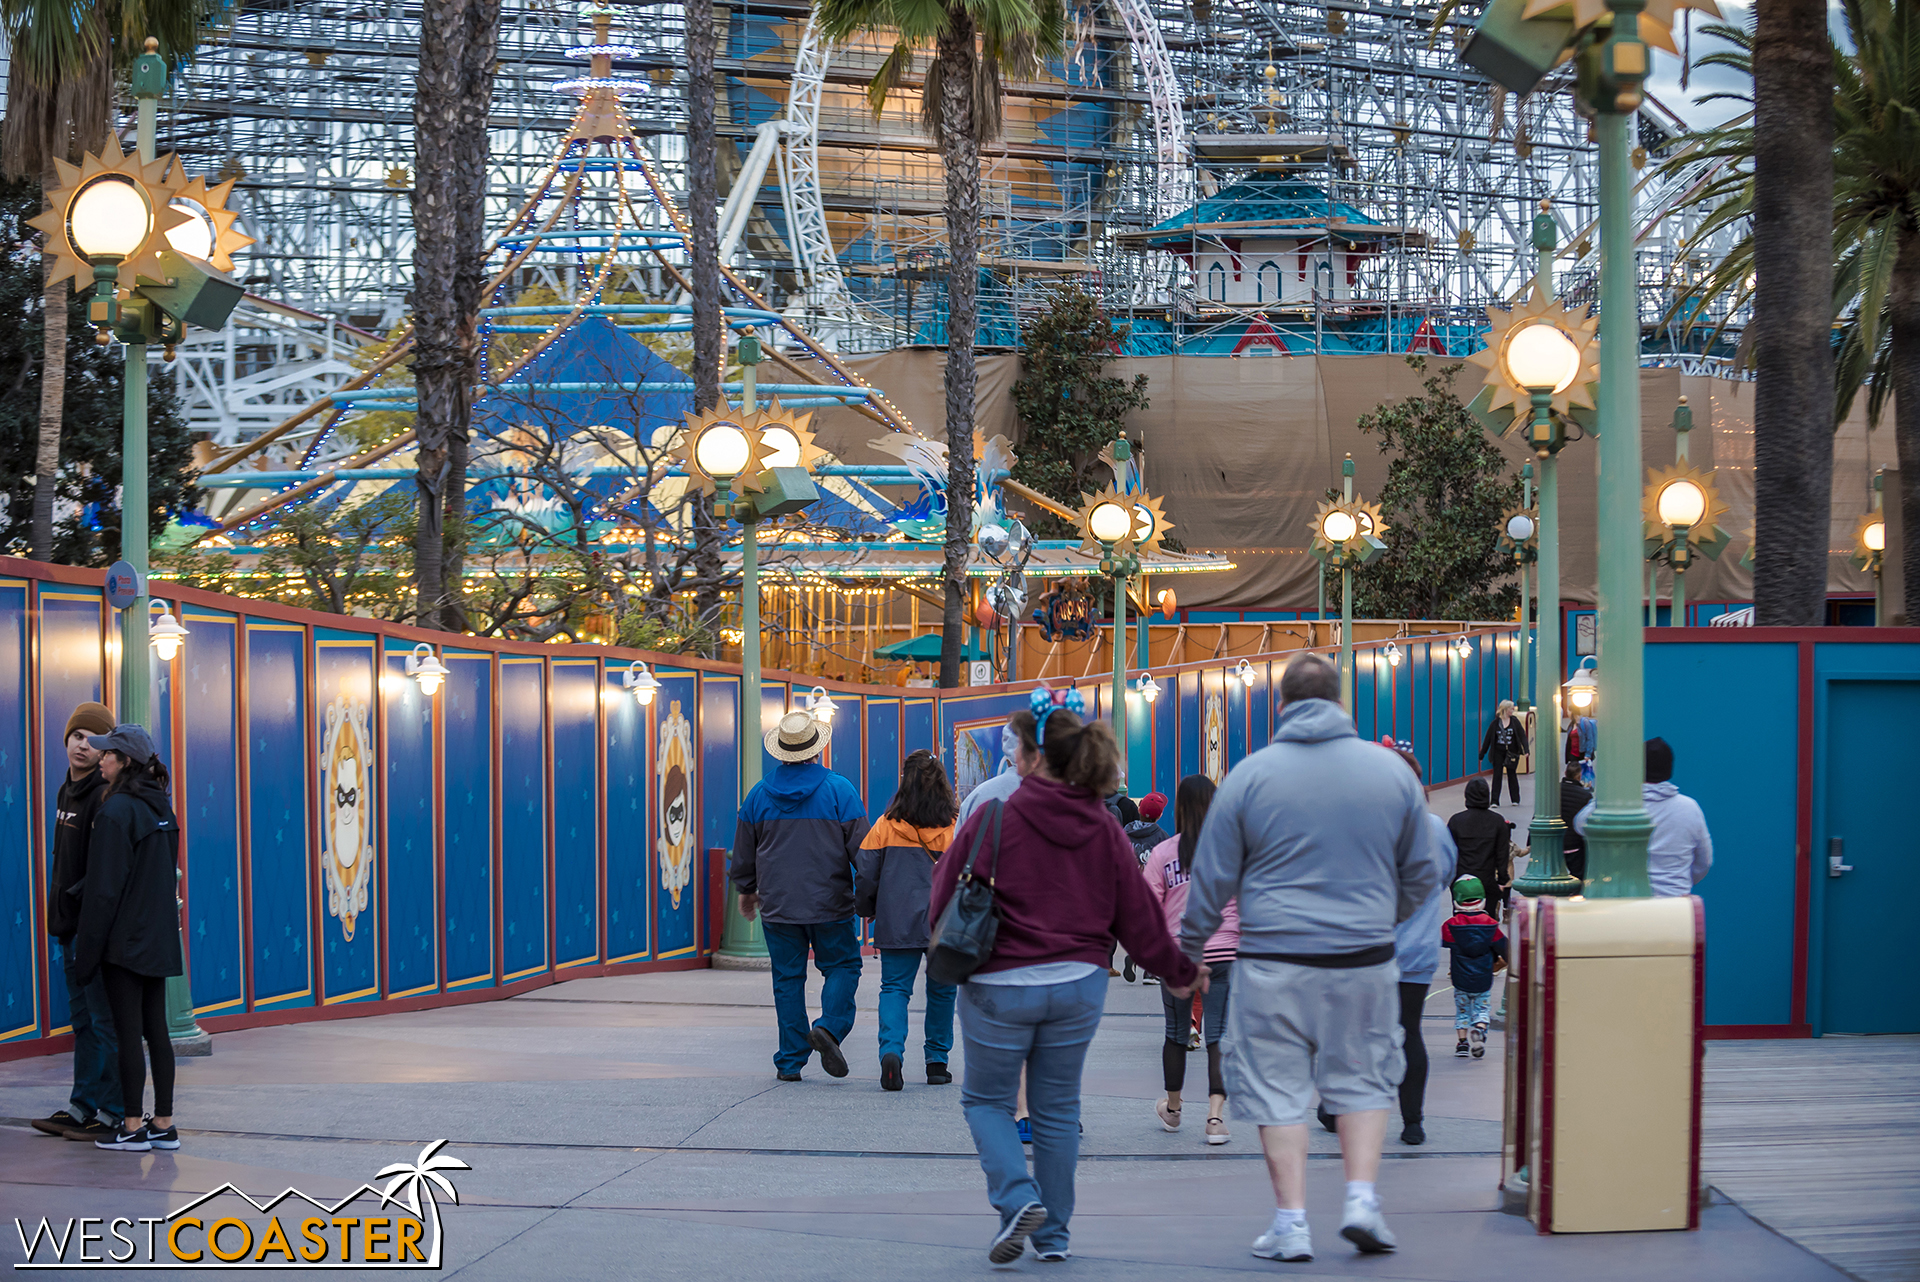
(1216,284)
(1267,283)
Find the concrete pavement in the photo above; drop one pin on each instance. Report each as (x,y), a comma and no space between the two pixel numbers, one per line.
(633,1126)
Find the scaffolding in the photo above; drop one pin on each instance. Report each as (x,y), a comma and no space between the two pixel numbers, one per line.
(837,220)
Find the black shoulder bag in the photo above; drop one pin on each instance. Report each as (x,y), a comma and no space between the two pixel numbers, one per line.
(962,939)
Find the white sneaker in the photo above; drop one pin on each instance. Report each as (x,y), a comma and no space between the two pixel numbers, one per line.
(1292,1244)
(1364,1226)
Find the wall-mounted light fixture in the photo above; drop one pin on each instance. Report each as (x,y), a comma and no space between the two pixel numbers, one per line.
(1147,687)
(1244,671)
(641,682)
(426,668)
(1392,653)
(820,706)
(165,633)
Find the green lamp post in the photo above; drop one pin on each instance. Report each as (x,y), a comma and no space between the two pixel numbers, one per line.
(1110,523)
(1544,360)
(770,452)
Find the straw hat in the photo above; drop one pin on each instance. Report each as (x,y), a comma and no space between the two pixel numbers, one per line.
(798,737)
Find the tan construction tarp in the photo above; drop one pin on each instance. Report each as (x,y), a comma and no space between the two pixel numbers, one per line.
(1242,449)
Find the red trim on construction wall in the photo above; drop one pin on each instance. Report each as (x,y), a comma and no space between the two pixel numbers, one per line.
(1754,1032)
(1729,636)
(1803,835)
(356,1010)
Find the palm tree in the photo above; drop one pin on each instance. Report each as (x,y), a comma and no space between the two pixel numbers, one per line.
(63,55)
(1875,294)
(415,1181)
(703,272)
(453,95)
(974,42)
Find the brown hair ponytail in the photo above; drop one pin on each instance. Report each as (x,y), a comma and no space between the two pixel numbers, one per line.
(1082,754)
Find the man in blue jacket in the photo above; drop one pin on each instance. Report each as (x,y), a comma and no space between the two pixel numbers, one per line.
(793,853)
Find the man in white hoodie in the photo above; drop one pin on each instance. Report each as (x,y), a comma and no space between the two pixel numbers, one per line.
(1680,851)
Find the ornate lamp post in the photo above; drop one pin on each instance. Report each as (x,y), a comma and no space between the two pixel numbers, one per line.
(1109,521)
(765,453)
(1346,534)
(135,226)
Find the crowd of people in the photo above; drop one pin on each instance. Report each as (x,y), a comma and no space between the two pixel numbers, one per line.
(112,912)
(1296,913)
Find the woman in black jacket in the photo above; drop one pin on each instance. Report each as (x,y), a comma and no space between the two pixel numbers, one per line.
(130,926)
(1503,745)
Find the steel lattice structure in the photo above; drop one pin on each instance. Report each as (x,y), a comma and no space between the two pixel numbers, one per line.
(1156,106)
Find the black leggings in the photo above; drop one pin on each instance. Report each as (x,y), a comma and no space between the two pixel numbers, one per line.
(139,1005)
(1511,767)
(1413,1087)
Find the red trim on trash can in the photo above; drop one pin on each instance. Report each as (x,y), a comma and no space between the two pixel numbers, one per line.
(1699,1057)
(1543,1178)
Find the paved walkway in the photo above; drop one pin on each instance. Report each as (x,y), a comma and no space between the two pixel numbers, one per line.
(632,1127)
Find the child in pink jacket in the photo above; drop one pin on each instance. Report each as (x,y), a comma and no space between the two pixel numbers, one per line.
(1168,870)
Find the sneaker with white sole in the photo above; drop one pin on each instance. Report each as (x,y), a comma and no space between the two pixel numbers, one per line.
(1168,1115)
(1292,1244)
(1363,1225)
(125,1141)
(167,1138)
(1054,1256)
(1011,1241)
(1217,1131)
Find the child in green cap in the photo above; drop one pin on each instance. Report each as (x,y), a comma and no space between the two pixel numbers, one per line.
(1474,940)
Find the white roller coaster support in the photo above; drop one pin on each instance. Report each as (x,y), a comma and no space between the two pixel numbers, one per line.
(739,206)
(1171,190)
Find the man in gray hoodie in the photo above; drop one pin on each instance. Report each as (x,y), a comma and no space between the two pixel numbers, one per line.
(1325,842)
(1679,850)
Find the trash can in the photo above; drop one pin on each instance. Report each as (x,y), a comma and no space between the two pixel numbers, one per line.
(1613,1060)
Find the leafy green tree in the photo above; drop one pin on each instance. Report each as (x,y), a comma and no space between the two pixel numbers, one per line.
(1447,487)
(974,42)
(84,527)
(62,58)
(1069,408)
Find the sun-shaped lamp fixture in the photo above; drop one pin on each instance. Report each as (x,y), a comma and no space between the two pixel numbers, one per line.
(110,218)
(1511,353)
(718,445)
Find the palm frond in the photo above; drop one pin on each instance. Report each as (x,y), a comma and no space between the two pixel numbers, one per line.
(896,67)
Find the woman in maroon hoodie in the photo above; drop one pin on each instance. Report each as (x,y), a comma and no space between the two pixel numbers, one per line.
(1066,884)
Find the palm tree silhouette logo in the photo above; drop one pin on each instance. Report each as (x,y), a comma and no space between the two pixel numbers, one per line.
(413,1183)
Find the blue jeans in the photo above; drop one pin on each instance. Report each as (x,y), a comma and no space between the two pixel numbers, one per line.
(96,1072)
(836,955)
(1469,1009)
(898,967)
(1047,1028)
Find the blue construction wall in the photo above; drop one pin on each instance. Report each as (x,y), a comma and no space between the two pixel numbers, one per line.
(352,841)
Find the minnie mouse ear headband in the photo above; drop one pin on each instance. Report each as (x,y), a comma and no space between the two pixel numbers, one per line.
(1045,703)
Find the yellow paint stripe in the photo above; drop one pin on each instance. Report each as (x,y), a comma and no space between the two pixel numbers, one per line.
(476,979)
(688,951)
(227,619)
(274,627)
(347,997)
(581,961)
(217,1006)
(24,1028)
(507,659)
(283,997)
(615,961)
(365,644)
(522,974)
(413,992)
(94,597)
